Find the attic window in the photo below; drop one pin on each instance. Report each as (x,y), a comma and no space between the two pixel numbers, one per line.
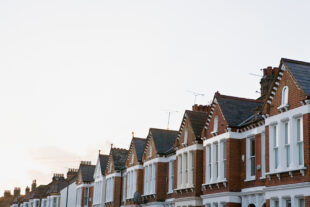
(110,168)
(215,124)
(132,159)
(150,151)
(284,96)
(284,100)
(185,135)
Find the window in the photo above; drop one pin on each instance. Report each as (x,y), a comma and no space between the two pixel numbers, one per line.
(191,169)
(252,156)
(215,125)
(179,171)
(149,179)
(55,202)
(185,135)
(170,182)
(209,163)
(284,96)
(110,189)
(223,159)
(263,142)
(86,196)
(124,186)
(287,145)
(275,203)
(288,203)
(300,144)
(132,159)
(301,202)
(186,167)
(275,146)
(150,151)
(216,161)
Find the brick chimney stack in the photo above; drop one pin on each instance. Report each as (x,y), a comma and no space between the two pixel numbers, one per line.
(71,173)
(16,191)
(266,81)
(58,176)
(27,190)
(33,185)
(7,193)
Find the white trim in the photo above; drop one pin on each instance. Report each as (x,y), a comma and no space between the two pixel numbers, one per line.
(188,201)
(235,135)
(253,189)
(116,174)
(227,197)
(190,148)
(135,167)
(291,113)
(300,189)
(158,159)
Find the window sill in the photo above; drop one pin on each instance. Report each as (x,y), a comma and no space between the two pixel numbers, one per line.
(302,170)
(170,192)
(283,108)
(149,195)
(250,179)
(214,133)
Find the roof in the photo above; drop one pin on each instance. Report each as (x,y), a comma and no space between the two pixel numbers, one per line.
(103,159)
(301,72)
(163,139)
(87,172)
(237,110)
(197,120)
(39,191)
(139,144)
(119,158)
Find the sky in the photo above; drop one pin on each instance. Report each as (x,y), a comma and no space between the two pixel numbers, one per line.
(79,75)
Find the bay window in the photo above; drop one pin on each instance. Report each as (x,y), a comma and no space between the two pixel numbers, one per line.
(275,146)
(223,168)
(179,171)
(86,196)
(216,161)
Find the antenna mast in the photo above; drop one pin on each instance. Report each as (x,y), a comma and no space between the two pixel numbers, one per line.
(195,94)
(169,115)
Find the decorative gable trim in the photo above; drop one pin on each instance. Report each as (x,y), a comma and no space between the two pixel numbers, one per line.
(98,173)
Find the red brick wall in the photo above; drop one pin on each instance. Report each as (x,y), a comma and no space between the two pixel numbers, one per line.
(295,95)
(233,204)
(161,180)
(233,149)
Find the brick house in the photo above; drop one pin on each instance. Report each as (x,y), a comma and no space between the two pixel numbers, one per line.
(68,193)
(100,181)
(84,184)
(158,152)
(188,168)
(114,175)
(133,177)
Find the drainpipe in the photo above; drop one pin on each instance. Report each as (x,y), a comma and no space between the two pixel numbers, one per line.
(67,193)
(120,199)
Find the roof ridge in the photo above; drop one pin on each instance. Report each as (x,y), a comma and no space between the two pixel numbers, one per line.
(240,98)
(169,130)
(295,61)
(191,111)
(139,138)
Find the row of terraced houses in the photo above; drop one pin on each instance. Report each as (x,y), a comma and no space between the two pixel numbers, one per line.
(235,152)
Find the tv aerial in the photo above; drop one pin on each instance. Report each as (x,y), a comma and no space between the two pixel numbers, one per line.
(195,94)
(170,112)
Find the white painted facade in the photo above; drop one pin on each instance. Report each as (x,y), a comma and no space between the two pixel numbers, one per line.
(68,196)
(99,196)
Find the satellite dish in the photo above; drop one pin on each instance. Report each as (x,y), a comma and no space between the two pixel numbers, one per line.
(136,197)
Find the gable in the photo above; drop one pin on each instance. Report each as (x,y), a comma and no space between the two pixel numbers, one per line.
(132,156)
(110,166)
(221,122)
(150,150)
(295,93)
(187,131)
(98,172)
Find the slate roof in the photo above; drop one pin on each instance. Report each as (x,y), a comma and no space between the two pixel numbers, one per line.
(237,110)
(103,159)
(119,158)
(40,191)
(139,146)
(87,172)
(301,72)
(197,120)
(163,139)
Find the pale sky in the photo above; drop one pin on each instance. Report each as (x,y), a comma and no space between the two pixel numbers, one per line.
(78,75)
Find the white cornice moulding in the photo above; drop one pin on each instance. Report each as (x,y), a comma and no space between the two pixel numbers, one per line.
(190,148)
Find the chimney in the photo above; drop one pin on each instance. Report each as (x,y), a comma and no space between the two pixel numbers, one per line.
(58,176)
(27,190)
(85,162)
(200,108)
(16,191)
(7,193)
(33,185)
(71,173)
(266,81)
